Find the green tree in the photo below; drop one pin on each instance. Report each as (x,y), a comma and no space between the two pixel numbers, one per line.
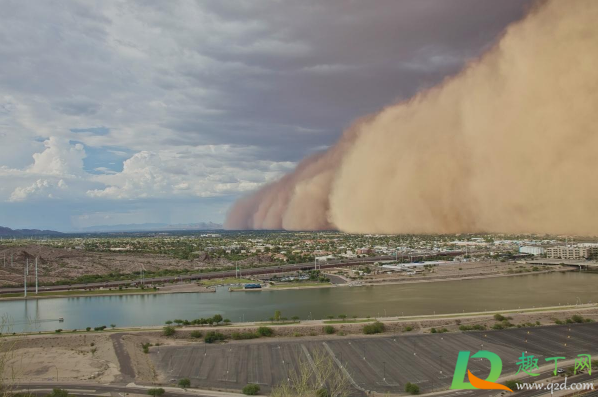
(277,315)
(217,318)
(113,326)
(342,316)
(295,318)
(184,383)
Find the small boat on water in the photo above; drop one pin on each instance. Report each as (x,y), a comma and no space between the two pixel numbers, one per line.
(61,319)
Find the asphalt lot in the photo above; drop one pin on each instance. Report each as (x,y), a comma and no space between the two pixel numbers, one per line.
(381,364)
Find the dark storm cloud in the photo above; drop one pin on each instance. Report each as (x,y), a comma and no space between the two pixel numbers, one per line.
(318,65)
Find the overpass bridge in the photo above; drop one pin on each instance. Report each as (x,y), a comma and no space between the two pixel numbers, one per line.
(580,263)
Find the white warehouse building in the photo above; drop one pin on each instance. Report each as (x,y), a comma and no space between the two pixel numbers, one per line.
(532,250)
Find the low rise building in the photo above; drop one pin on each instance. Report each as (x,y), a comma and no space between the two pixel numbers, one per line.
(572,252)
(533,250)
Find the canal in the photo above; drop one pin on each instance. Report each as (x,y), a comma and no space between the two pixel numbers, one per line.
(492,294)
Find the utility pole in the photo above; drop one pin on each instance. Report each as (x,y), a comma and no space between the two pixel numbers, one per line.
(36,275)
(26,272)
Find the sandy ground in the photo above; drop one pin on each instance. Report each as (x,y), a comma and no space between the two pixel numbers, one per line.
(68,357)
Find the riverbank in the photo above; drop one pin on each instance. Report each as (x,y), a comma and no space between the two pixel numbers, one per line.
(169,289)
(210,286)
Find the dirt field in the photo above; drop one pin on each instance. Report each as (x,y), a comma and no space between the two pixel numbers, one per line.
(56,264)
(66,357)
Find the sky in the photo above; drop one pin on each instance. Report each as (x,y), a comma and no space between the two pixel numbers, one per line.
(121,112)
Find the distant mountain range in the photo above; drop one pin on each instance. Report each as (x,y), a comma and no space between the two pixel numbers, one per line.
(146,227)
(8,232)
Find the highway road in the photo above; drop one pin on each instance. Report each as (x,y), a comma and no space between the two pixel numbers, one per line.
(226,273)
(96,389)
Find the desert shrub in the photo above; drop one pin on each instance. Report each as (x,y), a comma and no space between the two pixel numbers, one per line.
(329,329)
(244,335)
(145,347)
(512,384)
(213,336)
(251,389)
(156,392)
(265,331)
(58,393)
(196,334)
(168,331)
(184,383)
(374,328)
(411,388)
(577,318)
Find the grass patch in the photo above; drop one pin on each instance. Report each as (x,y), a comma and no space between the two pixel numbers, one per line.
(297,284)
(225,281)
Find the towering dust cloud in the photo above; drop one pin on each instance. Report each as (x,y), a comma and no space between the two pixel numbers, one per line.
(508,145)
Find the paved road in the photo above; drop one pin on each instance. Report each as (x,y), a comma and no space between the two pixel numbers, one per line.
(228,273)
(95,389)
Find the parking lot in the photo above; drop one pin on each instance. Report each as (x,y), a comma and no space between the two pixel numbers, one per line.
(381,364)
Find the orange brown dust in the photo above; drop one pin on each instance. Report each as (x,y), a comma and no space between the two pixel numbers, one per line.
(510,144)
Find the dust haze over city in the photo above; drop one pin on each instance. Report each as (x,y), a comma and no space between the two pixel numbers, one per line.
(293,199)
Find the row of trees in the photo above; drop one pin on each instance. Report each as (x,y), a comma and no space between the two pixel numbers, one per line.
(216,319)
